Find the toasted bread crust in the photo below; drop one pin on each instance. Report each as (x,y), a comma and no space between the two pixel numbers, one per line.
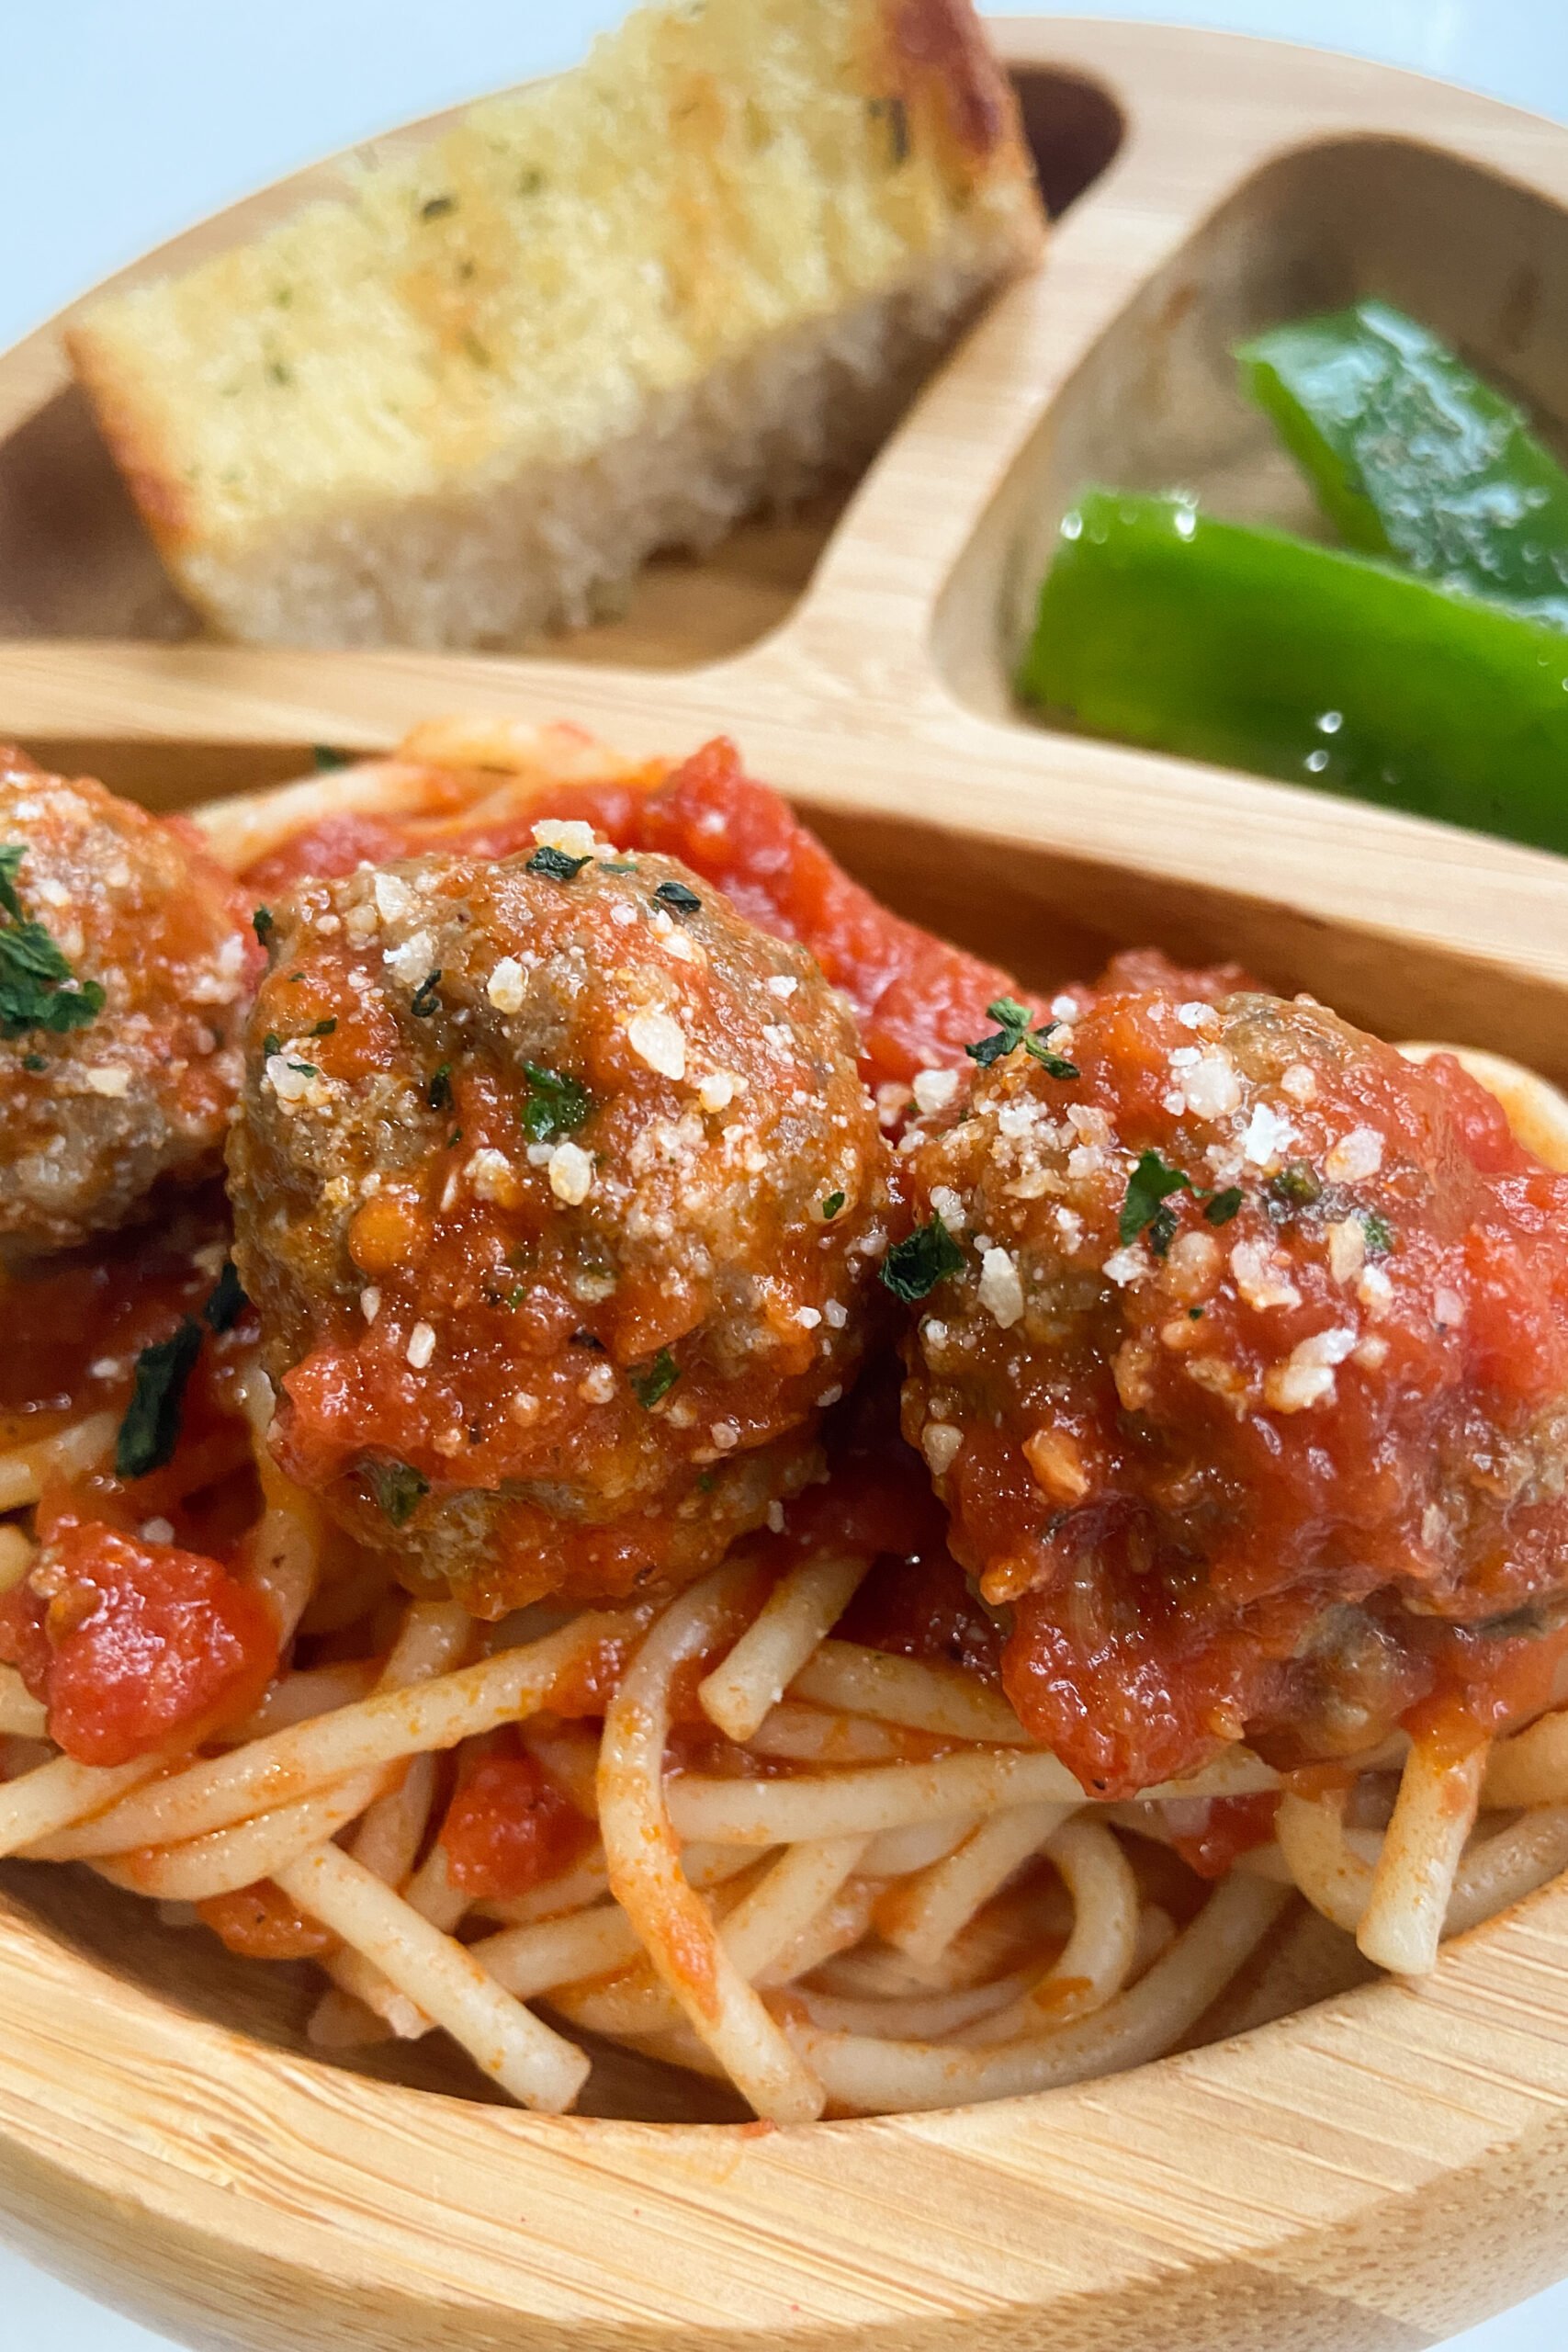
(134,439)
(942,63)
(469,401)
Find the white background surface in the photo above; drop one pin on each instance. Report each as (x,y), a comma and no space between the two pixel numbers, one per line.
(127,119)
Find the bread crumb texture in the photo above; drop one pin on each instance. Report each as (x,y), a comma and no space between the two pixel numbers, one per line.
(609,314)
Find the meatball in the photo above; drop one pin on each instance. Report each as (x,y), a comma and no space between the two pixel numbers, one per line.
(562,1203)
(126,959)
(1242,1367)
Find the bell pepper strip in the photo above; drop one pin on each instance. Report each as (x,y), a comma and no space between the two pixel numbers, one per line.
(1411,455)
(1160,626)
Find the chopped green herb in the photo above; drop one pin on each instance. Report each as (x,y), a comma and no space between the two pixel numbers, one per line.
(32,968)
(27,1001)
(226,1302)
(912,1268)
(1014,1018)
(1296,1186)
(272,1044)
(150,1428)
(676,896)
(324,1028)
(424,997)
(264,924)
(652,1380)
(516,1295)
(707,1483)
(455,1138)
(435,207)
(1053,1065)
(1013,1033)
(327,756)
(11,857)
(1224,1206)
(306,1070)
(1148,1188)
(439,1093)
(35,1061)
(554,864)
(555,1106)
(830,1207)
(1378,1233)
(1194,1315)
(398,1487)
(280,371)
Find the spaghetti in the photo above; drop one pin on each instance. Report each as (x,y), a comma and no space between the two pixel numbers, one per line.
(783,1828)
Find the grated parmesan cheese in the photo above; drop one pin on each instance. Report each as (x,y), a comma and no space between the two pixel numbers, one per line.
(569,834)
(941,1442)
(657,1039)
(506,986)
(571,1173)
(1001,1292)
(934,1089)
(1355,1157)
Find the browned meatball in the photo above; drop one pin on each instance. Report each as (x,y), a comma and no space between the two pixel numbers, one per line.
(126,959)
(561,1200)
(1242,1367)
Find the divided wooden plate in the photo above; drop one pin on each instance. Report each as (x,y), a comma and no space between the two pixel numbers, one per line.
(1370,2172)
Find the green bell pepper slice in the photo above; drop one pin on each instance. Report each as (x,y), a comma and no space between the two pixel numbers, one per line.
(1413,456)
(1163,627)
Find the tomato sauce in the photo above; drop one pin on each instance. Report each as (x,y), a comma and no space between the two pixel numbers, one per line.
(914,1600)
(510,1829)
(76,1321)
(136,1649)
(1231,1826)
(260,1922)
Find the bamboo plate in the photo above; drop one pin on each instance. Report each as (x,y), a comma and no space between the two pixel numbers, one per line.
(1371,2172)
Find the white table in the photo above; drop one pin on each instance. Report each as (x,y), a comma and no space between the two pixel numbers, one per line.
(127,119)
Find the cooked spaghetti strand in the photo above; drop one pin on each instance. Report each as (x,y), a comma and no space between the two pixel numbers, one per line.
(867,2075)
(801,1610)
(929,1910)
(1433,1815)
(842,1805)
(439,1977)
(647,1879)
(52,1796)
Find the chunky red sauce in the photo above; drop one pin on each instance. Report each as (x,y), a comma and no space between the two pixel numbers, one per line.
(1231,1826)
(260,1922)
(510,1829)
(136,1649)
